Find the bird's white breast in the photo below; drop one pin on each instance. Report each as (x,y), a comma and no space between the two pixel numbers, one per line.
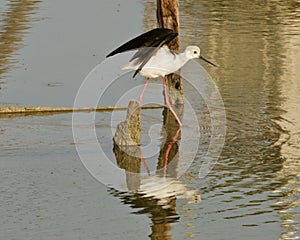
(162,63)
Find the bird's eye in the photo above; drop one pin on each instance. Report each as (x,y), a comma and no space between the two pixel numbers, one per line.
(195,52)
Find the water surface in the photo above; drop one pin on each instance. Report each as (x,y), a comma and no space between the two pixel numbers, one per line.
(252,191)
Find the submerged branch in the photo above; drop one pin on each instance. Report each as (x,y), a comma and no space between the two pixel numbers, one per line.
(38,110)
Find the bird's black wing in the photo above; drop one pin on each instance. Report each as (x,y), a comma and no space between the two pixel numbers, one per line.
(144,56)
(153,38)
(148,44)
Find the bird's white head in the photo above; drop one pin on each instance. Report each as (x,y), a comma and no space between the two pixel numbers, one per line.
(192,52)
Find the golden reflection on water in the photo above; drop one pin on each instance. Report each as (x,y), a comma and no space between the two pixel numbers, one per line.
(257,46)
(14,22)
(290,142)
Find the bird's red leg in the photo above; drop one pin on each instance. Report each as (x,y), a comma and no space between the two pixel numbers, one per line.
(144,88)
(168,103)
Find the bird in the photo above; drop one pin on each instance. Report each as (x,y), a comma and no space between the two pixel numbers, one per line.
(154,59)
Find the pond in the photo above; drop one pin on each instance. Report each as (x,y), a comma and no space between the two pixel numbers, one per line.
(250,192)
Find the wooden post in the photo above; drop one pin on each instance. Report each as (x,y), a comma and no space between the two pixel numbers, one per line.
(128,133)
(126,145)
(168,17)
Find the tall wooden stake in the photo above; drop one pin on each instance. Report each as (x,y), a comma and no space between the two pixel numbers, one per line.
(168,17)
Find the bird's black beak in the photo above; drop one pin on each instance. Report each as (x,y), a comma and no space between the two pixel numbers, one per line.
(208,61)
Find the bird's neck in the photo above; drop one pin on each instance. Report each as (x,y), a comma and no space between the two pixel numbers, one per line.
(183,58)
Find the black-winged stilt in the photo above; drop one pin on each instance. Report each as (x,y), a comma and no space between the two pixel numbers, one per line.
(154,59)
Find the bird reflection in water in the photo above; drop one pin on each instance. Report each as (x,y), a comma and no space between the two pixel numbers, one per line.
(156,197)
(154,194)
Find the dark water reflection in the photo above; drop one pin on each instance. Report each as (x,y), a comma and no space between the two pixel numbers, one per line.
(161,216)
